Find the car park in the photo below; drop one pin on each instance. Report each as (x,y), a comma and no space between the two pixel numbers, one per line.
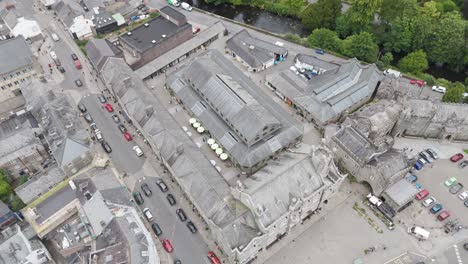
(138,151)
(109,108)
(170,198)
(463,195)
(425,156)
(148,214)
(167,245)
(122,128)
(191,226)
(463,164)
(82,108)
(78,83)
(456,157)
(116,118)
(156,229)
(444,215)
(127,136)
(106,147)
(429,201)
(411,178)
(422,194)
(432,153)
(146,189)
(213,258)
(162,185)
(181,214)
(439,89)
(450,181)
(436,208)
(102,99)
(456,188)
(88,118)
(138,198)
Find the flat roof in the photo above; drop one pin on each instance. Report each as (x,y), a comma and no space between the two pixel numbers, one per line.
(151,33)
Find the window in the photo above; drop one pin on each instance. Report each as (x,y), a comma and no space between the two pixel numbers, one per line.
(16,82)
(18,73)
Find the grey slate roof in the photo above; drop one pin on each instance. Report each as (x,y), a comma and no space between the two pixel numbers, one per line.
(202,73)
(401,192)
(253,51)
(4,209)
(355,144)
(39,185)
(167,10)
(390,163)
(330,94)
(66,13)
(15,54)
(97,212)
(141,37)
(71,150)
(54,203)
(316,62)
(98,50)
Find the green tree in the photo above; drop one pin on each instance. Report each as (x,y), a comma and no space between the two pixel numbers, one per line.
(321,14)
(326,39)
(361,46)
(421,31)
(358,17)
(386,59)
(430,9)
(17,204)
(454,94)
(391,9)
(447,44)
(399,37)
(5,191)
(415,62)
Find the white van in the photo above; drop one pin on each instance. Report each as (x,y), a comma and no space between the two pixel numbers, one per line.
(55,37)
(148,214)
(186,6)
(419,232)
(138,151)
(99,136)
(439,89)
(390,71)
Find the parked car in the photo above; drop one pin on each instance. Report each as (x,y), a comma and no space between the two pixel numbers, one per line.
(82,108)
(463,195)
(432,153)
(456,188)
(465,246)
(456,157)
(74,57)
(156,229)
(213,258)
(392,72)
(138,151)
(78,83)
(320,51)
(88,118)
(466,203)
(436,208)
(148,214)
(177,261)
(167,245)
(146,190)
(181,214)
(102,99)
(439,89)
(463,164)
(423,161)
(61,69)
(429,201)
(116,118)
(418,82)
(191,226)
(422,194)
(122,128)
(411,178)
(425,156)
(78,64)
(186,6)
(93,127)
(109,108)
(196,30)
(444,215)
(162,185)
(450,181)
(127,136)
(99,136)
(170,198)
(138,198)
(418,165)
(106,147)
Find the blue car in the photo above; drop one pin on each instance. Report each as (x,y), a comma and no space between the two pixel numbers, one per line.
(320,51)
(411,178)
(436,208)
(418,165)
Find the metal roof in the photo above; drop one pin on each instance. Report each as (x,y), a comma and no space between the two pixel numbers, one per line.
(15,54)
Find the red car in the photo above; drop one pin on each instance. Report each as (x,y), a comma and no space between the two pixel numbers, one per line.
(418,82)
(127,136)
(196,30)
(444,215)
(109,108)
(167,245)
(456,157)
(422,194)
(213,258)
(78,64)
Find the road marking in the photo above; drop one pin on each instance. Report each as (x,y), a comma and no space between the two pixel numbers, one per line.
(460,261)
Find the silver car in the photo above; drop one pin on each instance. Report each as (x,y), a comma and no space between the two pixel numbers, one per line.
(426,156)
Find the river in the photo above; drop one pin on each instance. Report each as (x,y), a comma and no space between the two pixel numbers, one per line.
(282,25)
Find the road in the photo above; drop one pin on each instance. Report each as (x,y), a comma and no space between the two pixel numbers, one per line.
(188,247)
(123,156)
(456,254)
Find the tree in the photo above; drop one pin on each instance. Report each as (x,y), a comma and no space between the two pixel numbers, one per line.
(358,17)
(400,35)
(415,62)
(447,44)
(361,46)
(430,9)
(386,59)
(326,39)
(454,94)
(5,191)
(17,204)
(391,9)
(321,14)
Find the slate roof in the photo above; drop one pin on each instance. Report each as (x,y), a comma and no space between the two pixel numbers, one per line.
(97,213)
(15,54)
(355,144)
(39,185)
(66,13)
(401,192)
(390,163)
(54,203)
(4,209)
(167,10)
(316,62)
(98,50)
(71,150)
(210,72)
(253,51)
(330,94)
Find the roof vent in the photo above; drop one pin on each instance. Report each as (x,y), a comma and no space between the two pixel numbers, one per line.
(153,41)
(146,25)
(163,36)
(129,33)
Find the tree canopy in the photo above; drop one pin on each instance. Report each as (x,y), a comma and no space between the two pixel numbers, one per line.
(361,46)
(325,39)
(321,14)
(415,62)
